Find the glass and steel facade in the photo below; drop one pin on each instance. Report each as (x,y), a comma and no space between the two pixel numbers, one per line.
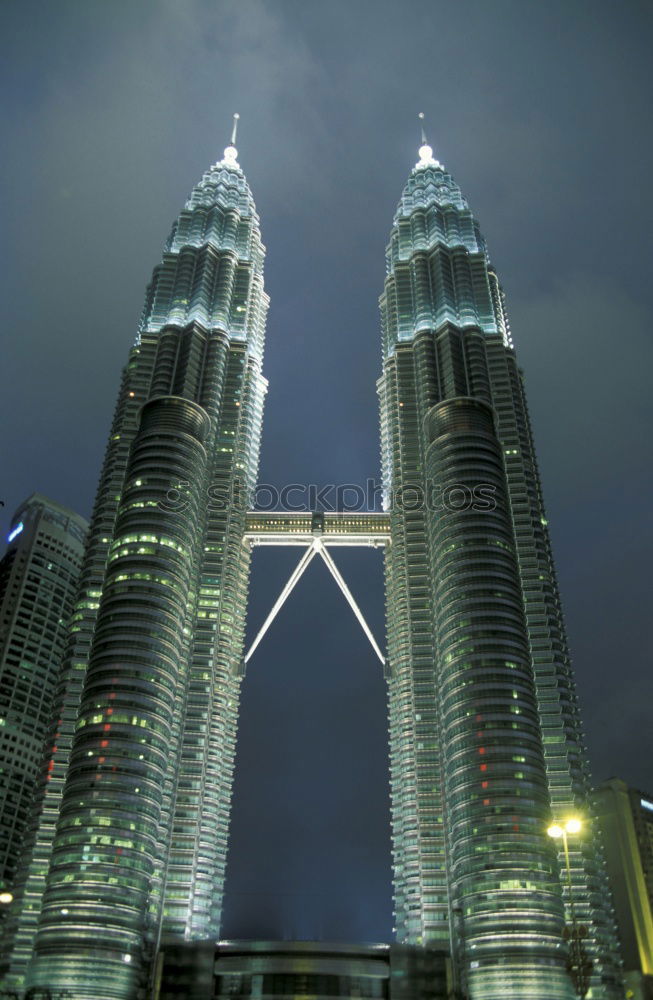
(131,827)
(39,574)
(485,736)
(128,840)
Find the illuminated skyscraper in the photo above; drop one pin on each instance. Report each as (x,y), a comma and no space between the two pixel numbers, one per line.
(486,744)
(485,735)
(142,757)
(39,574)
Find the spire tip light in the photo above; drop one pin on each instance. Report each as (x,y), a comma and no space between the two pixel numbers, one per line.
(426,158)
(230,155)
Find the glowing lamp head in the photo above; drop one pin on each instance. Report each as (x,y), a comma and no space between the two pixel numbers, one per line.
(573,825)
(6,898)
(555,831)
(426,158)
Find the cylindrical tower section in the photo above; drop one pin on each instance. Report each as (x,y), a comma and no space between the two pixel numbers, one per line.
(507,915)
(92,929)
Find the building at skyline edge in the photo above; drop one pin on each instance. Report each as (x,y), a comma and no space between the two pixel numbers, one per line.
(625,819)
(39,574)
(128,846)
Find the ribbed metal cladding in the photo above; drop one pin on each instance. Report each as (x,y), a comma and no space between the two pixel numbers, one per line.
(506,904)
(106,849)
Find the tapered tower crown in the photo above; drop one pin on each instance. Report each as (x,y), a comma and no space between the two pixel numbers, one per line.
(436,260)
(212,267)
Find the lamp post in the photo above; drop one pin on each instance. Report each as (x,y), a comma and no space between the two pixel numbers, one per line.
(580,965)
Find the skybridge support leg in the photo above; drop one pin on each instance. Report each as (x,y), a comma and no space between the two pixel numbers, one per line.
(295,576)
(316,546)
(335,573)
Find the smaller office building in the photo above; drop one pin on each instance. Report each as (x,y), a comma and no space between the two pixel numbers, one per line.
(625,817)
(39,574)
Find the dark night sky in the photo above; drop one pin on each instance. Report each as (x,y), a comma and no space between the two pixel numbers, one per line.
(542,111)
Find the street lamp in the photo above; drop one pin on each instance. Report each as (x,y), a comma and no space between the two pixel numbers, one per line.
(581,967)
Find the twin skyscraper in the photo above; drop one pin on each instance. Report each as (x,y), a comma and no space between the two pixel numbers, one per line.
(128,845)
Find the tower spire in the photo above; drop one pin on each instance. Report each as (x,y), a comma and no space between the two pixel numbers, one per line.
(426,158)
(421,118)
(230,155)
(234,129)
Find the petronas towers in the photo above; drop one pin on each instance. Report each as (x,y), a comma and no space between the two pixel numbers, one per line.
(485,736)
(128,843)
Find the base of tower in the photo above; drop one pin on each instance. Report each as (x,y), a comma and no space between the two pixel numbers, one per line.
(204,970)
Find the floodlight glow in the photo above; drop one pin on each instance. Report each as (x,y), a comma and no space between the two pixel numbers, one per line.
(573,825)
(6,897)
(555,831)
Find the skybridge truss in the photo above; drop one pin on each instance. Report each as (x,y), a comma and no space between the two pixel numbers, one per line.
(316,533)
